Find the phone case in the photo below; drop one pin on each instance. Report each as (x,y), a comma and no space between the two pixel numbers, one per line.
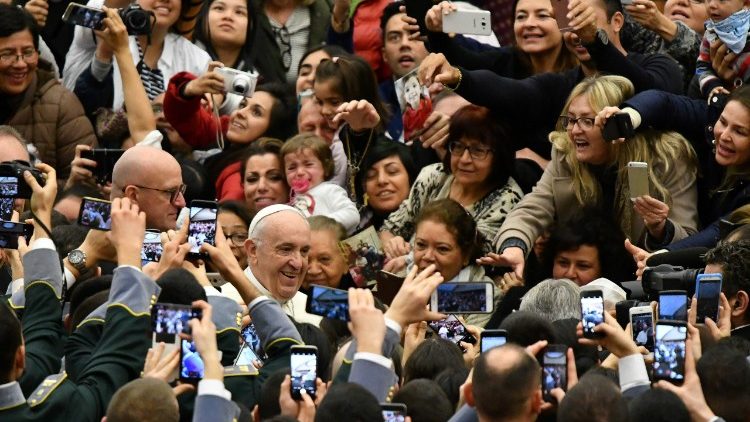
(475,22)
(638,179)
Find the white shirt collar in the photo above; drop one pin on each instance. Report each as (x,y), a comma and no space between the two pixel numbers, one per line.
(11,395)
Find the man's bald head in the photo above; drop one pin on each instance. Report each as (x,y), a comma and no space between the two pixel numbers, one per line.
(12,145)
(147,175)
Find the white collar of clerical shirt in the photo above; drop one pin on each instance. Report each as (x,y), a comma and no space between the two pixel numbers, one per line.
(285,304)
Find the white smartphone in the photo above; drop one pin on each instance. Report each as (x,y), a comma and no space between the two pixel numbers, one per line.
(637,179)
(474,22)
(463,298)
(81,15)
(642,326)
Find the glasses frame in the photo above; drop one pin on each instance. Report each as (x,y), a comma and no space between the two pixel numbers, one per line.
(173,193)
(568,122)
(29,57)
(456,148)
(234,236)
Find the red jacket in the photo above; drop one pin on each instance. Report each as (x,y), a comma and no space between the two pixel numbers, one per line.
(195,124)
(367,36)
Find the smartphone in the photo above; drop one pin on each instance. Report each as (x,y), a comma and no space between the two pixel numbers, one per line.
(169,320)
(673,305)
(9,187)
(6,208)
(417,9)
(216,279)
(622,311)
(493,338)
(554,369)
(618,126)
(637,179)
(388,286)
(304,365)
(10,232)
(592,312)
(152,247)
(105,162)
(246,356)
(707,291)
(95,214)
(250,336)
(202,228)
(669,351)
(463,298)
(393,412)
(475,22)
(452,329)
(191,363)
(328,302)
(642,325)
(78,14)
(560,8)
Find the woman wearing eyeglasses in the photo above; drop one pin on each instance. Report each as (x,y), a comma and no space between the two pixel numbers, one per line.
(234,219)
(588,171)
(476,173)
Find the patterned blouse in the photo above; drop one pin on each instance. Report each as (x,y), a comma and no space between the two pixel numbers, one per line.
(433,183)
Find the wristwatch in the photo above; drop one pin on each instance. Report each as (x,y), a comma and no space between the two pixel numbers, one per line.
(77,258)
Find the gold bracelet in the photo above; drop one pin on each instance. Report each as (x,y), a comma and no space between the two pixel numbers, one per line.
(460,78)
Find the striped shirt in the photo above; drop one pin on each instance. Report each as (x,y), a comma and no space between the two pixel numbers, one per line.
(153,80)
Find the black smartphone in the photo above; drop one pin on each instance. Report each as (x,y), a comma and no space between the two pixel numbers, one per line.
(250,336)
(618,126)
(169,319)
(388,286)
(10,232)
(417,9)
(592,312)
(669,351)
(393,412)
(95,214)
(463,298)
(554,369)
(105,163)
(9,187)
(707,291)
(452,329)
(6,208)
(493,338)
(152,247)
(304,365)
(328,302)
(89,17)
(192,367)
(673,305)
(202,228)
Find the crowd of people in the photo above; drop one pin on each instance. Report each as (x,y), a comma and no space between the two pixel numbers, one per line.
(501,160)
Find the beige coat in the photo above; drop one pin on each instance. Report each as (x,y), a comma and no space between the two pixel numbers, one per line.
(52,119)
(553,199)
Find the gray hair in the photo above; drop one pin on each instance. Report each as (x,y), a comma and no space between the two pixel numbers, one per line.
(553,299)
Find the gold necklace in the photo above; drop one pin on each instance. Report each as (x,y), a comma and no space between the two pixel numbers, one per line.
(354,169)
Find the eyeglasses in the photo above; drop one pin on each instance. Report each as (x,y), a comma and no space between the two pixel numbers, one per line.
(284,40)
(585,123)
(173,193)
(477,153)
(238,239)
(28,56)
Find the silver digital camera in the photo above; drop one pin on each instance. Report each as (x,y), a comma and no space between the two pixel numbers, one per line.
(238,82)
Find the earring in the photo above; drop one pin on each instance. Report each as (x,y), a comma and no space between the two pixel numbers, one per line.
(713,146)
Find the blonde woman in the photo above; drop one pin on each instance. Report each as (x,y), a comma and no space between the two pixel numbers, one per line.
(588,171)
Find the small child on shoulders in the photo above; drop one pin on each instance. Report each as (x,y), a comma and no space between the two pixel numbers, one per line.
(308,164)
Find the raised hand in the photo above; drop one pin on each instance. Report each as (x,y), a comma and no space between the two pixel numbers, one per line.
(360,115)
(512,257)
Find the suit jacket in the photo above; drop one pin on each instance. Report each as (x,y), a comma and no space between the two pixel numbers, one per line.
(553,199)
(215,409)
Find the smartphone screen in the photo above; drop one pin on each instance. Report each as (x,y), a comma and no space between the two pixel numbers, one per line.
(8,186)
(328,302)
(191,363)
(451,329)
(152,248)
(80,15)
(708,291)
(246,356)
(95,214)
(202,227)
(393,412)
(304,365)
(642,325)
(592,311)
(492,339)
(169,320)
(11,231)
(250,336)
(463,298)
(6,208)
(554,369)
(673,306)
(669,352)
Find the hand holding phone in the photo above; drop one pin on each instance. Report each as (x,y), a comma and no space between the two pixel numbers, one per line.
(493,338)
(328,302)
(304,367)
(669,351)
(592,312)
(476,22)
(95,214)
(618,126)
(453,330)
(707,292)
(642,326)
(673,305)
(554,370)
(89,17)
(202,227)
(638,179)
